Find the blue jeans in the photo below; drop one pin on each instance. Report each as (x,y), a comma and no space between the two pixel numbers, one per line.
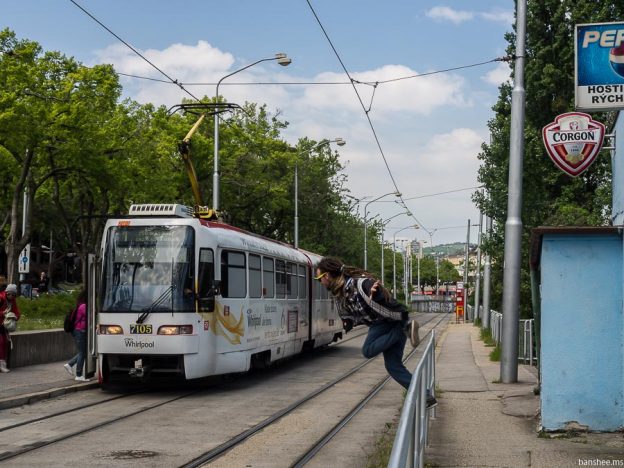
(388,338)
(80,337)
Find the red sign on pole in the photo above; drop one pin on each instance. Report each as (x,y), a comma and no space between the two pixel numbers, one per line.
(459,301)
(573,141)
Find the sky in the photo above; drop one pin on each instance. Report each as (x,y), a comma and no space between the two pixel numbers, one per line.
(425,131)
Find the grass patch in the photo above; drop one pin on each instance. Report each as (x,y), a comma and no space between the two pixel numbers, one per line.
(495,353)
(383,447)
(485,335)
(477,322)
(46,312)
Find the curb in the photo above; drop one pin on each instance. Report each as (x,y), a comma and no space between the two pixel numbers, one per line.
(30,398)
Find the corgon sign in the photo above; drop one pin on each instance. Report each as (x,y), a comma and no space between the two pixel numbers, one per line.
(599,66)
(573,141)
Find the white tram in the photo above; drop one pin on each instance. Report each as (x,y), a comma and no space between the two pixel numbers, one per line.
(183,296)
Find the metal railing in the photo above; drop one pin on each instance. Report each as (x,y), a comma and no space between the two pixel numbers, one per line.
(408,449)
(433,304)
(525,336)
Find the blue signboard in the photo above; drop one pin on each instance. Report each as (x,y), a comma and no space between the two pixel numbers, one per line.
(599,66)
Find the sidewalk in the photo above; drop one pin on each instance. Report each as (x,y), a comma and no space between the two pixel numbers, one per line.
(28,384)
(482,423)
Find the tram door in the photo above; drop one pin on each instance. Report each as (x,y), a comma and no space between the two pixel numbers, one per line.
(93,273)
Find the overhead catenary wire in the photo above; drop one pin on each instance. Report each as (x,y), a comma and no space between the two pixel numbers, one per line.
(366,113)
(134,50)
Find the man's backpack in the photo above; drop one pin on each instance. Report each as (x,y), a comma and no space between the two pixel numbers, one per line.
(68,324)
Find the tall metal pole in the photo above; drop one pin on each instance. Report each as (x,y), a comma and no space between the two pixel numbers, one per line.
(486,279)
(283,60)
(478,270)
(394,268)
(513,225)
(24,215)
(383,273)
(397,194)
(340,142)
(466,265)
(297,203)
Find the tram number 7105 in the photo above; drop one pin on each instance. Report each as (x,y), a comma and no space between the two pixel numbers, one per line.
(141,328)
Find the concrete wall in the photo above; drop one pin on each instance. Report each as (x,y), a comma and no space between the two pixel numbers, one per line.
(39,347)
(582,331)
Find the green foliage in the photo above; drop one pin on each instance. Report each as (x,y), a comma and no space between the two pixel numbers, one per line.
(495,354)
(91,155)
(550,197)
(46,312)
(485,335)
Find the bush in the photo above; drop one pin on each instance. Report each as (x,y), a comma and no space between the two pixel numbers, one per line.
(46,312)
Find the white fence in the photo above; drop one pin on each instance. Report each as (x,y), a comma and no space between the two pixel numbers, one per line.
(525,336)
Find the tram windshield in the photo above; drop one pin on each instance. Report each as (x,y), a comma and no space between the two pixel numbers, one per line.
(148,269)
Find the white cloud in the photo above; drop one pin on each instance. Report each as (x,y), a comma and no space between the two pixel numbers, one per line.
(443,13)
(403,113)
(179,61)
(419,95)
(499,75)
(499,16)
(446,13)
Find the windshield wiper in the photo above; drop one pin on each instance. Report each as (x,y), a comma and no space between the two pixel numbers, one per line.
(156,304)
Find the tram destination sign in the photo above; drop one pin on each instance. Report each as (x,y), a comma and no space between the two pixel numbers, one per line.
(599,66)
(573,141)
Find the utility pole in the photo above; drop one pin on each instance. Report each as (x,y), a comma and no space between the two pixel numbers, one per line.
(485,321)
(466,270)
(478,270)
(513,225)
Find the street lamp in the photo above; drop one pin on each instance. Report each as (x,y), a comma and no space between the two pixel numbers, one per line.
(396,194)
(340,142)
(415,226)
(283,60)
(420,244)
(383,225)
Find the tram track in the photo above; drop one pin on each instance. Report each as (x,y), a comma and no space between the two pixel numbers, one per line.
(214,453)
(217,452)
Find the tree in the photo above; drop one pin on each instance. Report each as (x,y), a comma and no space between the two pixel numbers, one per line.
(549,196)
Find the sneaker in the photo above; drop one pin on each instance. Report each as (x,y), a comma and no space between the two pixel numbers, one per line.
(412,333)
(69,369)
(3,367)
(431,402)
(81,378)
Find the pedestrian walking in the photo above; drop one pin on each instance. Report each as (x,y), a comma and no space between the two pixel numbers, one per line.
(362,299)
(8,307)
(76,364)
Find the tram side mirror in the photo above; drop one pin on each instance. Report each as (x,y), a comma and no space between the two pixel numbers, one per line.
(207,300)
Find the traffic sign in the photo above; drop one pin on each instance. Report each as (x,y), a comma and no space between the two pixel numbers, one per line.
(24,260)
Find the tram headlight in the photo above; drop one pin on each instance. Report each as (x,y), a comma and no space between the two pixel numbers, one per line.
(176,330)
(111,330)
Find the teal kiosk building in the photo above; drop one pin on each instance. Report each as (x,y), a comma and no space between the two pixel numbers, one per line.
(581,325)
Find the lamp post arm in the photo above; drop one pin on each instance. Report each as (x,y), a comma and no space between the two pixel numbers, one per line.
(215,174)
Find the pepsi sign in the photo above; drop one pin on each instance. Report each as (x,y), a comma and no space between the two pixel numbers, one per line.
(599,66)
(573,141)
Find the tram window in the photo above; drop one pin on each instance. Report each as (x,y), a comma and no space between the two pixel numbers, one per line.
(255,276)
(206,271)
(292,281)
(302,282)
(233,281)
(280,279)
(268,277)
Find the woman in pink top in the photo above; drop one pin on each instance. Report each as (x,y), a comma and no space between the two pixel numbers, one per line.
(80,337)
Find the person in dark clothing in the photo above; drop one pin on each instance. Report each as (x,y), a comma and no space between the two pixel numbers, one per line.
(43,283)
(362,299)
